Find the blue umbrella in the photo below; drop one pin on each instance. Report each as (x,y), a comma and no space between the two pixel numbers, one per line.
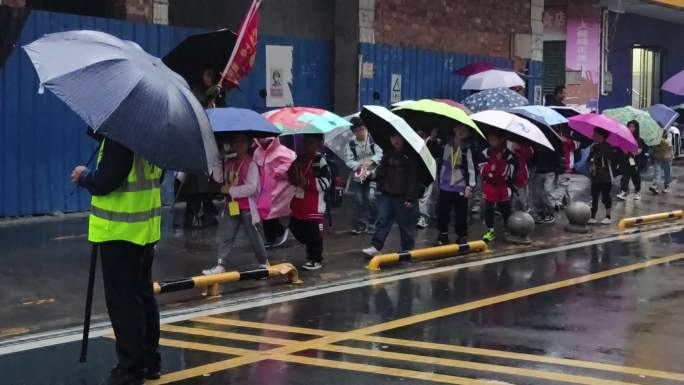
(239,120)
(544,115)
(127,95)
(495,99)
(664,115)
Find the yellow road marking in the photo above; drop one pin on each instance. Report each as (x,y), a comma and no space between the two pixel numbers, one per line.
(417,358)
(454,348)
(411,320)
(204,347)
(526,357)
(225,335)
(473,366)
(379,370)
(258,325)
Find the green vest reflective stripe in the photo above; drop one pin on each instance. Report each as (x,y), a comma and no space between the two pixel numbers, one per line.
(132,213)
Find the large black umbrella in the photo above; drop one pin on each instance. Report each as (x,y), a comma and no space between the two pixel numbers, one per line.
(196,53)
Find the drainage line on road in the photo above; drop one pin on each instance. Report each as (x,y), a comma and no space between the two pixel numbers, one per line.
(212,282)
(648,219)
(427,253)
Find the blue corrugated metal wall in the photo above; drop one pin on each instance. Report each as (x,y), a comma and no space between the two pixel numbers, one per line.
(41,139)
(424,73)
(535,78)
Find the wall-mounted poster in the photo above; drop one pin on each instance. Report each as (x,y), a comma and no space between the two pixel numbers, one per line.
(583,53)
(279,76)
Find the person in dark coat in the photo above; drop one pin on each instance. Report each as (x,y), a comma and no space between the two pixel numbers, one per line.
(631,167)
(400,188)
(557,98)
(601,174)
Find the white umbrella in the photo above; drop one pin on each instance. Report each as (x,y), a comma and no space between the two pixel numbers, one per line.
(337,139)
(493,79)
(514,127)
(382,122)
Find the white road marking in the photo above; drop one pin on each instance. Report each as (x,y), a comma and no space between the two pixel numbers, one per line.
(62,336)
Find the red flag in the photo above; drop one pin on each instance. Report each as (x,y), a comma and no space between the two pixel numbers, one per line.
(244,52)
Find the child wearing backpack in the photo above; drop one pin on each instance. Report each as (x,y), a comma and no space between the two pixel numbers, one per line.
(498,176)
(362,157)
(240,179)
(310,176)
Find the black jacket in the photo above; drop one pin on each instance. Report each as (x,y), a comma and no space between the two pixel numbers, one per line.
(398,175)
(112,169)
(600,162)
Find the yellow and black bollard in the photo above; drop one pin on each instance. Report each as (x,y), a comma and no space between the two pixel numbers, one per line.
(652,218)
(427,253)
(212,282)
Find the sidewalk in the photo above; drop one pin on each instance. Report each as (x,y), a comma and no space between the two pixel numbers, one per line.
(45,260)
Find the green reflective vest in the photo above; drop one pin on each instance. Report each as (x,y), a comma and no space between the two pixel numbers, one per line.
(132,213)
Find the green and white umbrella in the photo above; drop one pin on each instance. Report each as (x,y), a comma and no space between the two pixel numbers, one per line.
(649,129)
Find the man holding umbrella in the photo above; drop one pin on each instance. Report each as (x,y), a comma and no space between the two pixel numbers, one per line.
(144,113)
(125,225)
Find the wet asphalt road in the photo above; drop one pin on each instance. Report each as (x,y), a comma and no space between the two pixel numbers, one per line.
(531,320)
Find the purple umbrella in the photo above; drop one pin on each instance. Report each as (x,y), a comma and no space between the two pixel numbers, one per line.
(475,68)
(675,84)
(664,115)
(619,135)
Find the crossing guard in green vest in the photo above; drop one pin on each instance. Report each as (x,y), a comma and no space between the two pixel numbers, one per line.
(125,224)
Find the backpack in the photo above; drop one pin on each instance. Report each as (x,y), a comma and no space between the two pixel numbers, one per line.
(352,147)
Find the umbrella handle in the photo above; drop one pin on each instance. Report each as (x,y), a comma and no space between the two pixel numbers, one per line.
(89,304)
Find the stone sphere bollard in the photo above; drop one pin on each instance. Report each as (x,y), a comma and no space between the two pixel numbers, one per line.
(578,214)
(520,225)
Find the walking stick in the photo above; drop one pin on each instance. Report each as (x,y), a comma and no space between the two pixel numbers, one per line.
(89,304)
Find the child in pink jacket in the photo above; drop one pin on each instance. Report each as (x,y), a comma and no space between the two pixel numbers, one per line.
(274,160)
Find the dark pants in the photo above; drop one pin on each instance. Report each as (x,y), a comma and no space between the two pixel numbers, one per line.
(447,201)
(391,209)
(309,233)
(601,189)
(200,210)
(631,173)
(127,273)
(273,229)
(503,207)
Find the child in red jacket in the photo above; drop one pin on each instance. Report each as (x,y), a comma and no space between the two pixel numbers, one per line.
(523,154)
(311,177)
(498,176)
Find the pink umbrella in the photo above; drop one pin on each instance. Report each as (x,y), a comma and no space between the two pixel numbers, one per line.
(619,135)
(675,84)
(474,68)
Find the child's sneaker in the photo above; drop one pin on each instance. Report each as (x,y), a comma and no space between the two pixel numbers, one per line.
(371,251)
(606,221)
(442,239)
(622,196)
(488,236)
(311,265)
(359,229)
(462,241)
(422,223)
(592,221)
(218,269)
(654,190)
(666,190)
(637,197)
